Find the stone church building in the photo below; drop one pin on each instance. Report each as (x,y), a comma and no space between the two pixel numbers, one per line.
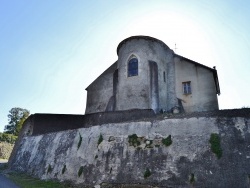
(149,75)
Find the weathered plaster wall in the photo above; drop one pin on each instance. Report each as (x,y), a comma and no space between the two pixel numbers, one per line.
(100,91)
(115,161)
(38,124)
(114,90)
(134,92)
(203,97)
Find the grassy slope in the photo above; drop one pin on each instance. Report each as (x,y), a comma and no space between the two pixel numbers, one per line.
(25,181)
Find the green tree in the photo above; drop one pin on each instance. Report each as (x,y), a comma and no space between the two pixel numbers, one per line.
(16,118)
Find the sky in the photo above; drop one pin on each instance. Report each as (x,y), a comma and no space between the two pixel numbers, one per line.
(51,50)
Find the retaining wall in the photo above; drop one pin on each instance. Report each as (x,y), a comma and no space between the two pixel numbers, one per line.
(187,162)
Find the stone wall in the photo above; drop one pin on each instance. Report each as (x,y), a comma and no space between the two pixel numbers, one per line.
(46,123)
(110,155)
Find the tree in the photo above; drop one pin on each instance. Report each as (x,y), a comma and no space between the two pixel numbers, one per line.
(16,118)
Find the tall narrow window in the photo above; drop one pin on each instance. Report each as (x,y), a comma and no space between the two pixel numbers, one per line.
(133,67)
(186,88)
(164,76)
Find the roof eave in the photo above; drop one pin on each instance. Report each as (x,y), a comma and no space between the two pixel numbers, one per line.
(215,74)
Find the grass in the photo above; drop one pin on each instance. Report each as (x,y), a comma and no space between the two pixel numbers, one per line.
(5,150)
(167,141)
(215,144)
(3,166)
(25,181)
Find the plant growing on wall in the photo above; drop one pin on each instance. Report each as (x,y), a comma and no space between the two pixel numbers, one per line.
(167,141)
(192,179)
(79,142)
(147,173)
(80,171)
(215,144)
(49,169)
(133,140)
(100,139)
(64,169)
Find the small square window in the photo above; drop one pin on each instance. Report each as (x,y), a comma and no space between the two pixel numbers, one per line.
(186,86)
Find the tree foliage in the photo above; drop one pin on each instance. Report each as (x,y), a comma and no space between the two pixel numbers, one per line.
(16,118)
(9,138)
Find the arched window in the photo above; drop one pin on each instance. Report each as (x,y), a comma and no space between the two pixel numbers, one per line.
(133,67)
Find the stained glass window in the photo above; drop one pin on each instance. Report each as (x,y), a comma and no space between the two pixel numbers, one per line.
(133,67)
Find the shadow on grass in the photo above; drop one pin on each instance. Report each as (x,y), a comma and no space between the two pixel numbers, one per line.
(25,181)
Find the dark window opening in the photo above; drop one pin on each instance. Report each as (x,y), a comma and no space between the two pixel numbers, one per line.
(133,67)
(164,76)
(186,88)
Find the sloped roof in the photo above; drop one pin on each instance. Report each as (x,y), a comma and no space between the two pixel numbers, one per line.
(215,74)
(114,64)
(141,37)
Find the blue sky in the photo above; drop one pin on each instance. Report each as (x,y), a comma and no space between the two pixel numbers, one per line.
(51,50)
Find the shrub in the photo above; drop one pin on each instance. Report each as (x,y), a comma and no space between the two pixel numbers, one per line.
(9,138)
(192,179)
(49,169)
(64,169)
(100,139)
(80,171)
(133,140)
(167,141)
(147,173)
(5,150)
(215,145)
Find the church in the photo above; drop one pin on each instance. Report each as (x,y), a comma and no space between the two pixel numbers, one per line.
(149,75)
(122,142)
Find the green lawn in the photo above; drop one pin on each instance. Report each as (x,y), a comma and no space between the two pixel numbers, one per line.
(25,181)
